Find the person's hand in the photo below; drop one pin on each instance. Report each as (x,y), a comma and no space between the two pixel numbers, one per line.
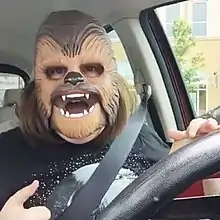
(14,207)
(196,128)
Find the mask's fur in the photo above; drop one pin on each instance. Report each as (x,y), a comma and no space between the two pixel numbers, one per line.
(117,99)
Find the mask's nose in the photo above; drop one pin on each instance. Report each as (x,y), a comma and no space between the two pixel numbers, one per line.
(74,78)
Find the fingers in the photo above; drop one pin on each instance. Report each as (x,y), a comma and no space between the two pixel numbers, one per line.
(177,135)
(194,126)
(14,206)
(39,213)
(210,125)
(22,195)
(201,126)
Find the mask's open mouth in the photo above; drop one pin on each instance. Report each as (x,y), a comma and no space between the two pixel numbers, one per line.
(76,104)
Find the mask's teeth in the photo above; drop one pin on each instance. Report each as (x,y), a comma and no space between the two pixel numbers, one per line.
(87,96)
(91,109)
(64,98)
(62,112)
(85,112)
(67,114)
(75,95)
(76,115)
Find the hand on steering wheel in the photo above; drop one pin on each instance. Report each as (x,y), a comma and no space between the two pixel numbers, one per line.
(197,127)
(161,183)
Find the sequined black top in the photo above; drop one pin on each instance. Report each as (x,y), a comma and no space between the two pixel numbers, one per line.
(21,163)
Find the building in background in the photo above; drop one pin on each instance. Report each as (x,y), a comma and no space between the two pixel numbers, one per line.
(204,17)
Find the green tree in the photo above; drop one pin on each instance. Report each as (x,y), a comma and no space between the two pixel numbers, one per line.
(182,44)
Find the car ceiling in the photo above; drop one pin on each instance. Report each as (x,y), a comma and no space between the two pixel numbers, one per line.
(20,20)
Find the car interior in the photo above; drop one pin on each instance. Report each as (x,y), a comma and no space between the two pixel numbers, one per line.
(145,57)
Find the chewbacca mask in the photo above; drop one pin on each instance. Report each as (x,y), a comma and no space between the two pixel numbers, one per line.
(79,93)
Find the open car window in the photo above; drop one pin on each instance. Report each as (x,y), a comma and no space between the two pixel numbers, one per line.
(192,30)
(125,69)
(123,65)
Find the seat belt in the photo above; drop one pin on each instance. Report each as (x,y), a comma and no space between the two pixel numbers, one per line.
(88,199)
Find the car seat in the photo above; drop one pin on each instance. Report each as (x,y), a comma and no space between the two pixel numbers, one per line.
(8,117)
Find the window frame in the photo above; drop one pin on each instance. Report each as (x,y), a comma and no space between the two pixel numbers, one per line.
(180,101)
(10,69)
(13,70)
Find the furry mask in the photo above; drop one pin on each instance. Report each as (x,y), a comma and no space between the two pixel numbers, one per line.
(77,88)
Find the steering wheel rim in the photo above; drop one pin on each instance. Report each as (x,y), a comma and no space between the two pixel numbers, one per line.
(161,183)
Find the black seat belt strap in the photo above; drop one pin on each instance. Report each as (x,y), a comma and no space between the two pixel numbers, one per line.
(89,197)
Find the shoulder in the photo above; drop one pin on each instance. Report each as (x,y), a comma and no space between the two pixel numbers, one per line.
(15,132)
(11,139)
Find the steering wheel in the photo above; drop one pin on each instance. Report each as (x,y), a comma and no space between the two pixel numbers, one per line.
(161,183)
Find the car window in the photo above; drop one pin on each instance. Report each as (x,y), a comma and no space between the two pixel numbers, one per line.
(194,35)
(9,81)
(123,65)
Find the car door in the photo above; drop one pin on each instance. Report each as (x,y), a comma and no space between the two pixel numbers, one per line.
(185,39)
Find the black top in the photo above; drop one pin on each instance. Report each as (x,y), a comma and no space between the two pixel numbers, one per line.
(21,163)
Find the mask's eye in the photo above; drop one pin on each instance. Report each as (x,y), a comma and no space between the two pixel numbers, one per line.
(91,70)
(56,72)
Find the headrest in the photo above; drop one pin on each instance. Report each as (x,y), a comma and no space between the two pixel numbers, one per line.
(12,97)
